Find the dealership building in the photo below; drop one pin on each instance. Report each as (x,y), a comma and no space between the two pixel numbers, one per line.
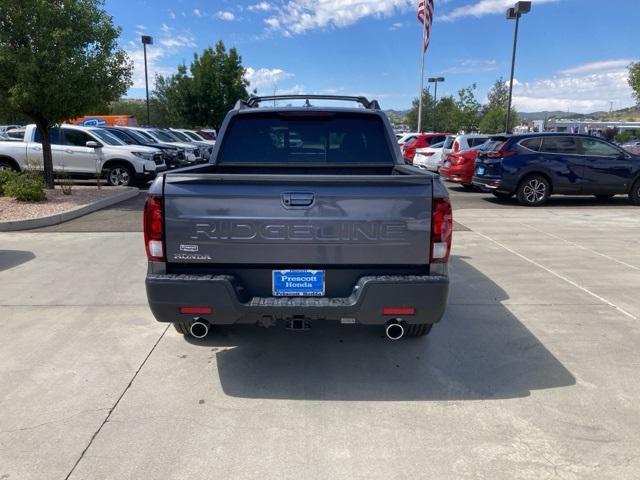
(589,127)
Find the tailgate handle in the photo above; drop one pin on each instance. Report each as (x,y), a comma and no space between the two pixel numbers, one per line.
(297,199)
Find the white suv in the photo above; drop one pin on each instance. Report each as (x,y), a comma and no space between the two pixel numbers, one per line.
(85,152)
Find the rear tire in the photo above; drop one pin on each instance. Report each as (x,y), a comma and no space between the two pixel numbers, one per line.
(604,196)
(533,191)
(418,330)
(502,195)
(634,194)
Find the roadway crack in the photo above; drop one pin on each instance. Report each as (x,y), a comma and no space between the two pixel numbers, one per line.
(115,405)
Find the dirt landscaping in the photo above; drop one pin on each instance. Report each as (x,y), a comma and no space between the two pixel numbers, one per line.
(57,202)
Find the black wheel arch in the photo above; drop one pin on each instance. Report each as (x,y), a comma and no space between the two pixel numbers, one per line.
(11,161)
(109,164)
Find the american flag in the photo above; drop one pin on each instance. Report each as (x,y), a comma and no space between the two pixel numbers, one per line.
(425,17)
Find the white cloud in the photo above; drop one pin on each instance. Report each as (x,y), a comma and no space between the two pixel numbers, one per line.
(583,89)
(472,66)
(396,26)
(178,41)
(172,15)
(484,7)
(261,7)
(141,27)
(226,15)
(197,12)
(265,78)
(594,67)
(168,44)
(298,16)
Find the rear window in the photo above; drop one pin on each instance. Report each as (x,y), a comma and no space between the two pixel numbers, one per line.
(532,143)
(448,143)
(475,141)
(305,139)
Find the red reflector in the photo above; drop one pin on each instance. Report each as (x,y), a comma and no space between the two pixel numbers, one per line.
(398,311)
(196,310)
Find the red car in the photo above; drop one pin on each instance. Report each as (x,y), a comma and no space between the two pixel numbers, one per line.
(421,141)
(459,167)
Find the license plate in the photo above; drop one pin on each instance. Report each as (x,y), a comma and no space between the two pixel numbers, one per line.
(480,170)
(298,283)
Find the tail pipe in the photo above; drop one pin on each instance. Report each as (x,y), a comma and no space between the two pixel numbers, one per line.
(199,328)
(394,330)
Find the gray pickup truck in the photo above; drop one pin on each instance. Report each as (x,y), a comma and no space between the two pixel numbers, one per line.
(304,214)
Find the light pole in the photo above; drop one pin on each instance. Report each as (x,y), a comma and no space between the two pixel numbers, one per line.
(435,80)
(514,13)
(146,40)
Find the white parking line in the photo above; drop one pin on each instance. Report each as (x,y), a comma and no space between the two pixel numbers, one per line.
(581,246)
(556,274)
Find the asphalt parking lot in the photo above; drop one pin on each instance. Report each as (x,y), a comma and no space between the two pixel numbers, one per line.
(533,372)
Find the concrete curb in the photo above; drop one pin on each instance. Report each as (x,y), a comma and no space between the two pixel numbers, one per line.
(14,225)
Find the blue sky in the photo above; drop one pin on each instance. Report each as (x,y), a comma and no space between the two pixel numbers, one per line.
(572,53)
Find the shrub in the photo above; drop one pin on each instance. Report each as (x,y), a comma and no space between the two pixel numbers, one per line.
(26,187)
(6,175)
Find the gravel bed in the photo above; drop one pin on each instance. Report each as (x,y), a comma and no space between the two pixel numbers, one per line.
(57,202)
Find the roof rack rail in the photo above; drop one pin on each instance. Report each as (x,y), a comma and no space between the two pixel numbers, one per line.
(253,100)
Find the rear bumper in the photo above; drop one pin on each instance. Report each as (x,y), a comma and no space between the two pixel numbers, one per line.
(488,184)
(457,174)
(426,293)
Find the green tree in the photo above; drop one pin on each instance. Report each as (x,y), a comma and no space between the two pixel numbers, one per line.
(205,95)
(468,109)
(634,79)
(58,60)
(494,114)
(427,105)
(446,116)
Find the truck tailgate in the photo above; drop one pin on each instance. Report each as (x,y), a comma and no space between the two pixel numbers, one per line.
(297,220)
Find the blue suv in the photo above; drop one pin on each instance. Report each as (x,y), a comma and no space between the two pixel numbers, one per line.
(535,166)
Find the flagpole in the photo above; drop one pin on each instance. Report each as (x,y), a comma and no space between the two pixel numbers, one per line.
(422,54)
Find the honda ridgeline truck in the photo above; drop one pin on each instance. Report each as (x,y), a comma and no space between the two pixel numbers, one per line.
(304,214)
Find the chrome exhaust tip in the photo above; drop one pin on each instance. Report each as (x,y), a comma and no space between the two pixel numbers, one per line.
(394,330)
(199,329)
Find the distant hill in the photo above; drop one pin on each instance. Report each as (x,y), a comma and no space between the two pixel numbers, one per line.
(397,116)
(628,114)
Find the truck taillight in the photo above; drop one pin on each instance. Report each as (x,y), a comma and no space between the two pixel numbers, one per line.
(153,229)
(441,230)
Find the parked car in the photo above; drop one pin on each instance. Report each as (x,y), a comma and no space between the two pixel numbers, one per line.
(430,157)
(535,166)
(195,136)
(407,137)
(230,242)
(208,133)
(159,135)
(457,143)
(174,157)
(459,167)
(632,147)
(15,133)
(4,128)
(81,151)
(422,140)
(205,146)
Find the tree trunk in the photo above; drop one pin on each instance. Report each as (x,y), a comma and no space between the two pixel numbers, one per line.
(47,158)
